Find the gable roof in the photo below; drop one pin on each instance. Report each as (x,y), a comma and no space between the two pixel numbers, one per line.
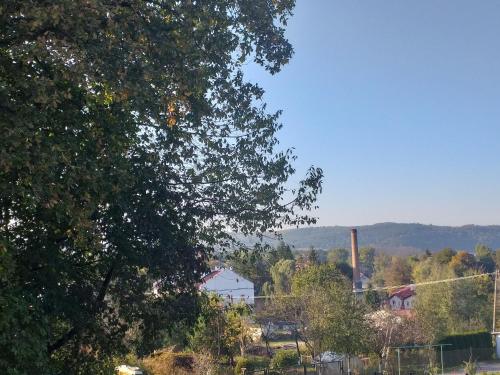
(403,293)
(211,275)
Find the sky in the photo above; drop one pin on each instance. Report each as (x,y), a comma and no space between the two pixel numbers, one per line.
(399,103)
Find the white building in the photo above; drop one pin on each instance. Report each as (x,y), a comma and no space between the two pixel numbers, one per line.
(229,285)
(402,299)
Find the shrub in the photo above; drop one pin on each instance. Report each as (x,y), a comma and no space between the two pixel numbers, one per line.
(251,363)
(478,339)
(166,362)
(241,362)
(284,358)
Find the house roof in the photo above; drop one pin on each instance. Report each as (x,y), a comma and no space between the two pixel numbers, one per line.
(403,293)
(211,275)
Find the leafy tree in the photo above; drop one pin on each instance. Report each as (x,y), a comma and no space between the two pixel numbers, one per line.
(444,256)
(373,298)
(131,146)
(208,332)
(221,330)
(381,263)
(497,258)
(338,256)
(367,260)
(422,270)
(453,307)
(434,304)
(252,264)
(398,273)
(462,262)
(237,329)
(255,264)
(312,256)
(327,314)
(282,251)
(485,257)
(389,330)
(282,273)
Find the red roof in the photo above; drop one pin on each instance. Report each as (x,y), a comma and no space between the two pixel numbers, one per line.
(209,276)
(403,293)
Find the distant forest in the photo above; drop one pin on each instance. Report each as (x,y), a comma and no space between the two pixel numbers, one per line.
(394,238)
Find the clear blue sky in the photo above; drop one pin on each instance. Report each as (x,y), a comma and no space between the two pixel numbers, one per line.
(399,103)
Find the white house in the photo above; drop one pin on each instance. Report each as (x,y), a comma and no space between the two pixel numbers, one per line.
(402,299)
(229,285)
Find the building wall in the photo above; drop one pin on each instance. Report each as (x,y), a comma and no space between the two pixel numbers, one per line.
(231,286)
(409,302)
(395,303)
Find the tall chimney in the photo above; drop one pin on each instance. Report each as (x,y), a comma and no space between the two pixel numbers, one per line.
(356,279)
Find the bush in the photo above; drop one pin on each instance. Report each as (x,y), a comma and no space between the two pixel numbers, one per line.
(251,363)
(241,362)
(284,358)
(166,362)
(478,339)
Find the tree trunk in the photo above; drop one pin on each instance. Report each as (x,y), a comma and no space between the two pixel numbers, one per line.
(51,348)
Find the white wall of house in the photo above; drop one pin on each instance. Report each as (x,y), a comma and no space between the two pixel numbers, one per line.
(230,286)
(409,302)
(395,302)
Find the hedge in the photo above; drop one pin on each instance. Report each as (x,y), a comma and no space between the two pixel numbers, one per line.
(251,363)
(479,339)
(284,358)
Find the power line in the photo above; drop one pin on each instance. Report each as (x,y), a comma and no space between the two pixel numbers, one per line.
(396,286)
(429,282)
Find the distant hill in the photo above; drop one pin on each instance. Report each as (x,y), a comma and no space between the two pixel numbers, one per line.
(396,238)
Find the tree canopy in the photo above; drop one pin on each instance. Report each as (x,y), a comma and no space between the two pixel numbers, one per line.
(131,146)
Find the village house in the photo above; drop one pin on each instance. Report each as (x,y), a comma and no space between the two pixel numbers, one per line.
(229,285)
(402,298)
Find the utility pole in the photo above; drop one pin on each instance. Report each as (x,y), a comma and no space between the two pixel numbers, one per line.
(493,330)
(399,361)
(442,364)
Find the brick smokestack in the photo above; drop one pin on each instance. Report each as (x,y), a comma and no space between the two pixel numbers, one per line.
(356,279)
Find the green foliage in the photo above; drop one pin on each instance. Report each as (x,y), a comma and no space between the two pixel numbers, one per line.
(336,256)
(313,256)
(326,312)
(256,264)
(478,339)
(282,273)
(485,257)
(367,260)
(462,262)
(220,330)
(241,363)
(446,308)
(167,362)
(251,363)
(253,265)
(398,272)
(131,146)
(373,298)
(282,251)
(444,256)
(284,358)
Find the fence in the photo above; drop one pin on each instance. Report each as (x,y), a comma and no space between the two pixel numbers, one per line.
(428,361)
(411,362)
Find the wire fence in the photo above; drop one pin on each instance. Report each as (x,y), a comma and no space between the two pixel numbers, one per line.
(410,362)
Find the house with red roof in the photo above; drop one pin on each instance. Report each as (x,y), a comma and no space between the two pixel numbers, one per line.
(229,285)
(402,298)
